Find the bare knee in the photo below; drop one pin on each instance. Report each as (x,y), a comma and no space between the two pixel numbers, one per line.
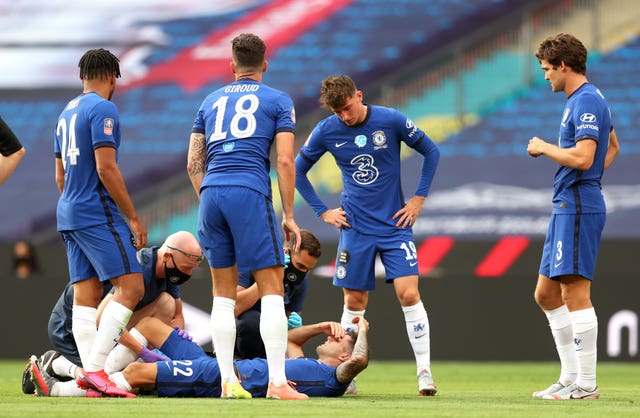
(356,300)
(407,290)
(548,293)
(141,375)
(166,308)
(409,297)
(129,289)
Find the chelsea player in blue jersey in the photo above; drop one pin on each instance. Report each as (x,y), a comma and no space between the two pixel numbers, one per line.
(164,270)
(374,218)
(192,373)
(586,145)
(228,164)
(98,240)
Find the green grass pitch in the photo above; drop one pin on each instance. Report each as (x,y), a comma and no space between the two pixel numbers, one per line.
(386,389)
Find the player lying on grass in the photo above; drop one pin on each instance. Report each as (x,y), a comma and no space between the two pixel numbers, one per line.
(192,373)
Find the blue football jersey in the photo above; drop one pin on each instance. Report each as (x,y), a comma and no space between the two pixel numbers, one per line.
(311,377)
(240,122)
(294,296)
(86,123)
(368,156)
(153,287)
(586,116)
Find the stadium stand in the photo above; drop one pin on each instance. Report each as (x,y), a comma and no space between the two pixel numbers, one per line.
(367,39)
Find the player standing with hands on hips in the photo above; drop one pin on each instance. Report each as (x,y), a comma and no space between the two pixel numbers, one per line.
(98,241)
(587,145)
(228,164)
(374,218)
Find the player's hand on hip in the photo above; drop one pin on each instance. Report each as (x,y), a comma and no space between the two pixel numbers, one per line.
(336,217)
(408,215)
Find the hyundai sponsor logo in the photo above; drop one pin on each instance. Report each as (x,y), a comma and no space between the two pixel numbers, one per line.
(588,117)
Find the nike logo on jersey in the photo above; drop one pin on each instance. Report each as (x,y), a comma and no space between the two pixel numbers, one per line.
(556,265)
(413,263)
(340,144)
(419,336)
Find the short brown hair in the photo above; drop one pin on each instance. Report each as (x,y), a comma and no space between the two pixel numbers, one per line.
(335,91)
(566,48)
(310,243)
(248,50)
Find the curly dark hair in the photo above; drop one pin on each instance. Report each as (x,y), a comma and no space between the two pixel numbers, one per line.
(566,48)
(98,63)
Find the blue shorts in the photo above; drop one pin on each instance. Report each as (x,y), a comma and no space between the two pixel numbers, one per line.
(237,225)
(103,250)
(356,258)
(571,245)
(194,375)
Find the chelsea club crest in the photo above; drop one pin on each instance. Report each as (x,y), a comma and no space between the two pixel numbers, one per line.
(379,140)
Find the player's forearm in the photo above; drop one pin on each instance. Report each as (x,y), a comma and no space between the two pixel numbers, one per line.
(59,175)
(9,163)
(196,160)
(358,361)
(301,335)
(428,170)
(113,181)
(246,298)
(305,188)
(286,184)
(131,343)
(612,150)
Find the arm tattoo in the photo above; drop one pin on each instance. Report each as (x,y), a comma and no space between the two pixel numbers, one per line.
(357,362)
(198,154)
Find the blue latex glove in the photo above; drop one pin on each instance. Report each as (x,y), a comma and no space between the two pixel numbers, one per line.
(287,260)
(294,321)
(150,356)
(183,334)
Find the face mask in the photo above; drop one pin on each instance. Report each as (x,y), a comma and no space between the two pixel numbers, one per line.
(174,274)
(23,260)
(293,276)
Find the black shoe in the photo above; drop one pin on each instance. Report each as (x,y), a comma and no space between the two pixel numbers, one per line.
(42,381)
(46,361)
(27,385)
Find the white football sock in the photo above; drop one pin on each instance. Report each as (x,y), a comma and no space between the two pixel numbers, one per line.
(418,330)
(114,319)
(68,389)
(273,330)
(562,331)
(585,332)
(120,381)
(347,316)
(223,336)
(84,330)
(63,367)
(122,355)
